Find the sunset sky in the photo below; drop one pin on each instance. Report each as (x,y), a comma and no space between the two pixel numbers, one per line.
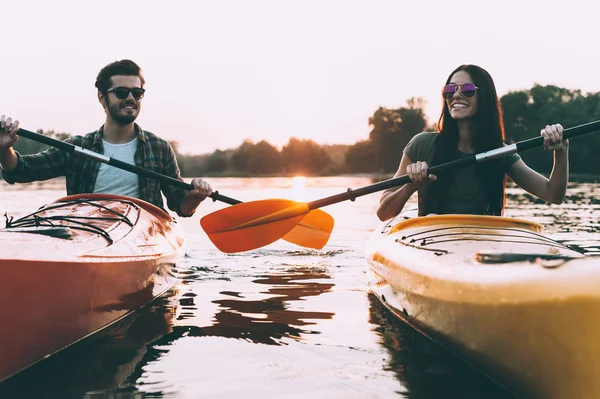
(219,72)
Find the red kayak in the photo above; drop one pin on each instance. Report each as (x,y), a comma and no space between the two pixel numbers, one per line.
(77,265)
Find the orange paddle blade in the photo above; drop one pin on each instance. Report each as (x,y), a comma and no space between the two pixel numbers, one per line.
(313,231)
(252,225)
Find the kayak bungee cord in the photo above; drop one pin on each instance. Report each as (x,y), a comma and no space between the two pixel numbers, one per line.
(424,239)
(528,235)
(68,222)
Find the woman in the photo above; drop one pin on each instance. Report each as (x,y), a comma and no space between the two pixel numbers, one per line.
(471,122)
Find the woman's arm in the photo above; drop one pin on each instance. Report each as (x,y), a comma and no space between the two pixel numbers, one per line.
(393,200)
(552,190)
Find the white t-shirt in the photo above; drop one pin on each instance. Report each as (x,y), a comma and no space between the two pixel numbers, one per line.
(113,180)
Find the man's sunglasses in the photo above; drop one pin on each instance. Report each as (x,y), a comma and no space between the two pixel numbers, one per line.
(123,92)
(467,90)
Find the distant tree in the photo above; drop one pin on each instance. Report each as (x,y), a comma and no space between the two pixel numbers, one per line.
(392,130)
(192,165)
(217,162)
(264,159)
(360,158)
(241,155)
(337,154)
(517,115)
(25,146)
(526,112)
(259,158)
(304,157)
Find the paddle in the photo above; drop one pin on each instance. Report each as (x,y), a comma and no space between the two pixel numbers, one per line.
(255,224)
(118,164)
(311,230)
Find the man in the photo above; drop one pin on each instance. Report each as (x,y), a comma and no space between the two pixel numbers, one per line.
(120,91)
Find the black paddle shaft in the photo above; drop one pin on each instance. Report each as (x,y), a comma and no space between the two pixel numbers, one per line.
(459,163)
(119,164)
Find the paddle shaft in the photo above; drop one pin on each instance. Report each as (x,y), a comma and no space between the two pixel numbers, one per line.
(118,164)
(459,163)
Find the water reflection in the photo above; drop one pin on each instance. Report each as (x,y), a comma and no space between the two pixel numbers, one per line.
(573,223)
(245,298)
(106,364)
(269,320)
(424,368)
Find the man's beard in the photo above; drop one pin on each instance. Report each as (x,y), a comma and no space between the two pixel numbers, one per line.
(113,110)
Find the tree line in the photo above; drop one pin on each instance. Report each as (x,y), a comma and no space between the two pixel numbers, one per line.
(525,113)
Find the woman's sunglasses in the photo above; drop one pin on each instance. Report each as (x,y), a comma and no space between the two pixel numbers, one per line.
(123,92)
(467,90)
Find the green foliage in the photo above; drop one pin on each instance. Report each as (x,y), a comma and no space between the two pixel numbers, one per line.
(217,162)
(304,157)
(25,146)
(257,159)
(360,158)
(392,130)
(525,113)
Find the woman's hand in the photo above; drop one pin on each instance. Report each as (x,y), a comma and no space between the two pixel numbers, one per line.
(418,173)
(552,135)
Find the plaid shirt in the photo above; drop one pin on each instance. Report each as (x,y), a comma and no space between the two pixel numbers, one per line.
(80,171)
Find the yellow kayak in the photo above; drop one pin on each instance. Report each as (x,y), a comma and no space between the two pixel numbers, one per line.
(513,303)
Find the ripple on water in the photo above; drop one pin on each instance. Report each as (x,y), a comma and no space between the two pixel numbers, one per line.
(280,321)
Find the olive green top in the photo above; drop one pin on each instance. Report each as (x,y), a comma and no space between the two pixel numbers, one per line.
(467,194)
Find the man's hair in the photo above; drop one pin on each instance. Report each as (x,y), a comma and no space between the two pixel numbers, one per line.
(122,67)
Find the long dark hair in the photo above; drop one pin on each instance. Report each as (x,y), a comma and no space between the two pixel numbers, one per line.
(488,133)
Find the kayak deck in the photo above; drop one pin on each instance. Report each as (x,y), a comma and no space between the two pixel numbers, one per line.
(517,305)
(91,229)
(119,255)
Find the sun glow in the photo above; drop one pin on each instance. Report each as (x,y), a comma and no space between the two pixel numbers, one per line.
(298,182)
(298,190)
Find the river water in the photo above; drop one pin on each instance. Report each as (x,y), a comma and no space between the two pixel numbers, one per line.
(280,321)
